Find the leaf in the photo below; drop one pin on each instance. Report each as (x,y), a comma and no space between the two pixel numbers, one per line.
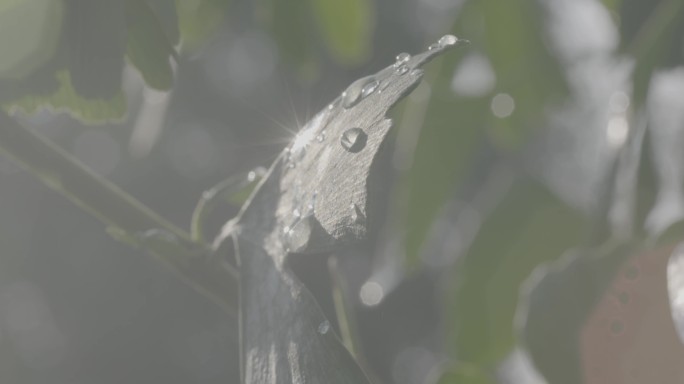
(197,19)
(442,156)
(529,227)
(513,38)
(300,207)
(148,47)
(29,35)
(67,100)
(603,316)
(165,11)
(96,36)
(652,32)
(346,26)
(290,26)
(556,302)
(465,374)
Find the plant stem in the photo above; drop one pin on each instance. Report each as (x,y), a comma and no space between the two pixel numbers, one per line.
(118,210)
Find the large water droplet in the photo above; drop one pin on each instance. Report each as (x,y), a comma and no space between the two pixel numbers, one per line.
(358,90)
(321,137)
(402,69)
(353,139)
(298,235)
(369,88)
(324,327)
(402,58)
(447,40)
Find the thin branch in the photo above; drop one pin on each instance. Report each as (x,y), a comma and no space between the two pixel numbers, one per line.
(119,211)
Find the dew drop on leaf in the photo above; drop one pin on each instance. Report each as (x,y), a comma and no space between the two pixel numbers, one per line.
(402,69)
(358,90)
(353,139)
(402,58)
(297,236)
(447,40)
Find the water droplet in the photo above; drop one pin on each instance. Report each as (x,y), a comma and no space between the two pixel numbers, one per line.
(433,46)
(296,213)
(297,236)
(402,69)
(312,203)
(369,88)
(415,72)
(353,139)
(324,327)
(358,90)
(320,137)
(357,215)
(402,58)
(383,85)
(447,40)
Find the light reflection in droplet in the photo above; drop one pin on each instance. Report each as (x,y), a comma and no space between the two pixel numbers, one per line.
(371,293)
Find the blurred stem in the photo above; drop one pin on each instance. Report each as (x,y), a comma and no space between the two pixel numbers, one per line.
(120,212)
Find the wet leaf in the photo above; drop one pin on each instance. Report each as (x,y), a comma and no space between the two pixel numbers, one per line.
(300,207)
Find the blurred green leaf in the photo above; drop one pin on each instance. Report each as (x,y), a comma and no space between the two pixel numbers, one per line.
(346,26)
(166,13)
(513,38)
(148,47)
(529,227)
(197,19)
(96,37)
(290,26)
(29,35)
(653,33)
(65,98)
(465,374)
(442,156)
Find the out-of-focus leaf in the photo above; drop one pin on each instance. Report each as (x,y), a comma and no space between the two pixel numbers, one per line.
(66,99)
(555,304)
(96,36)
(513,39)
(165,11)
(148,47)
(652,32)
(603,316)
(29,35)
(442,156)
(198,18)
(346,26)
(291,28)
(465,374)
(529,227)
